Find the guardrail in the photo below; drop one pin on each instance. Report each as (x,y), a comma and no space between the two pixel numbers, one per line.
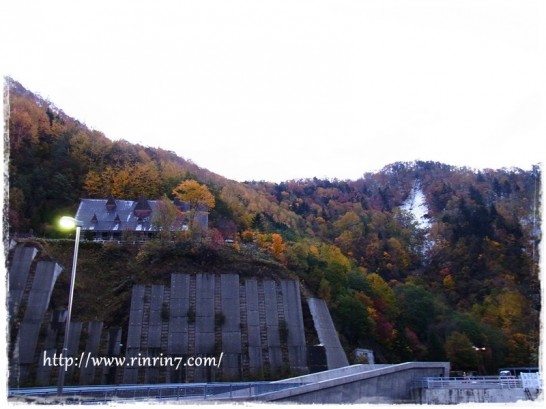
(194,391)
(473,382)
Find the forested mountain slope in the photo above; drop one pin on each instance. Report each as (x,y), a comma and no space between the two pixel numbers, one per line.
(408,290)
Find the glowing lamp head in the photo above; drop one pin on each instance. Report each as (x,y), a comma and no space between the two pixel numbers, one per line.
(67,222)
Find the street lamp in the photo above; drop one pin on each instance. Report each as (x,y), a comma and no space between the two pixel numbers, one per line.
(481,363)
(68,223)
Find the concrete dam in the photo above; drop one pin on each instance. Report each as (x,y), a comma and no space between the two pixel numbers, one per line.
(258,326)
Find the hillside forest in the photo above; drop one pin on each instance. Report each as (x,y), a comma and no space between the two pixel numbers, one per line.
(459,282)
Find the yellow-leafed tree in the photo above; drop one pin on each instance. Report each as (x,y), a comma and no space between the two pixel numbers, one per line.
(196,195)
(278,246)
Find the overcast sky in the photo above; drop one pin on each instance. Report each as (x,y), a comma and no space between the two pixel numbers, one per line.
(277,90)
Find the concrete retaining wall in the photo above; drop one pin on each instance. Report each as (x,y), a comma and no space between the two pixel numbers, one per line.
(293,315)
(272,326)
(178,314)
(335,355)
(230,321)
(390,384)
(134,334)
(255,357)
(439,396)
(38,301)
(94,333)
(37,330)
(257,323)
(18,275)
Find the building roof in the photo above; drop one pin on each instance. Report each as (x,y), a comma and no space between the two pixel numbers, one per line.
(119,215)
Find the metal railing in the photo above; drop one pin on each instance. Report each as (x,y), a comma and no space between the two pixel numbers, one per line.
(473,382)
(193,391)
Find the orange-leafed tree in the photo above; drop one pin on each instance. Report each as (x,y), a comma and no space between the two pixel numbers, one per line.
(198,197)
(277,247)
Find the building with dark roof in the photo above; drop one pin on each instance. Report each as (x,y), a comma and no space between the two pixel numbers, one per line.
(111,219)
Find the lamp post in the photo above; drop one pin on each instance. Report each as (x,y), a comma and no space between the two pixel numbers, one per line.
(68,223)
(481,361)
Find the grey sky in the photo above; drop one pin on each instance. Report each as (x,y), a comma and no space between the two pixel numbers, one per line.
(279,89)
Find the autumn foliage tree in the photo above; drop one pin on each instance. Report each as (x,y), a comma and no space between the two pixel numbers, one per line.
(197,196)
(165,217)
(277,247)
